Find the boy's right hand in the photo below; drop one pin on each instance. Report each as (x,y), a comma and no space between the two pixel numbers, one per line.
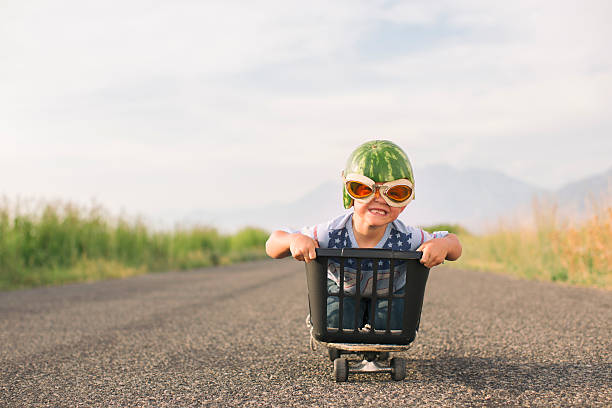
(302,247)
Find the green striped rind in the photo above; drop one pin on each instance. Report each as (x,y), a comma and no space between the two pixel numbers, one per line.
(380,160)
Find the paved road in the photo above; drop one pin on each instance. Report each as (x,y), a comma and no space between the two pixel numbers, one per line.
(236,336)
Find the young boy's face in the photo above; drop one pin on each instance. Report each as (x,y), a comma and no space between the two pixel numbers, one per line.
(376,212)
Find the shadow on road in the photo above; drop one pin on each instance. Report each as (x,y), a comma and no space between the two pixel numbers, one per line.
(497,373)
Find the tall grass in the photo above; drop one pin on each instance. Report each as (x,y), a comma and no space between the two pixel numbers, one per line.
(56,243)
(552,247)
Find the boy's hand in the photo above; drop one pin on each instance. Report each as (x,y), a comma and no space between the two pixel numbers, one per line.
(302,247)
(434,252)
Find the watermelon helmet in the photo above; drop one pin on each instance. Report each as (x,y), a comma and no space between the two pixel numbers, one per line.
(380,161)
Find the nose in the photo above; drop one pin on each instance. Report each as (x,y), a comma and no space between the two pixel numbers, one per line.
(377,194)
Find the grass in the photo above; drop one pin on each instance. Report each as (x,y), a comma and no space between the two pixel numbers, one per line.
(55,243)
(552,248)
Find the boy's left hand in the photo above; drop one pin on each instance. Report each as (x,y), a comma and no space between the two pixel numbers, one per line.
(434,252)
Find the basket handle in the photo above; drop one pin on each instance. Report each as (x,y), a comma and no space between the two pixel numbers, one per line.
(368,253)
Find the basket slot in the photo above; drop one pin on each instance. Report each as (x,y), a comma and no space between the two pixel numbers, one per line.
(357,323)
(374,293)
(390,299)
(341,296)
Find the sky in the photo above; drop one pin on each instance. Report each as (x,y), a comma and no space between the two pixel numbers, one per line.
(158,108)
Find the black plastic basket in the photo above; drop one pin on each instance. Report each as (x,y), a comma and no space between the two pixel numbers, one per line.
(414,290)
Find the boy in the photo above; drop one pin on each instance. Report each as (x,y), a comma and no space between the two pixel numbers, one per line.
(379,184)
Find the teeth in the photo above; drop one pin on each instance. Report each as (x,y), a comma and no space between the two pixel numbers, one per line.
(381,212)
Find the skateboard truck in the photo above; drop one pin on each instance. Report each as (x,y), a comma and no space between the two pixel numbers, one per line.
(374,358)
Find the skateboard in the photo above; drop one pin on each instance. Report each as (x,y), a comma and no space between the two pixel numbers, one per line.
(372,358)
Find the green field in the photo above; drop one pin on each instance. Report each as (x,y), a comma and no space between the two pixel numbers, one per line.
(60,243)
(551,248)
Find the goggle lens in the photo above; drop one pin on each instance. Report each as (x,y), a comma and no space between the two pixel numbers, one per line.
(358,190)
(399,193)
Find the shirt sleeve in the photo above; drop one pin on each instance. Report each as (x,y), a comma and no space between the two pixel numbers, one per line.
(317,232)
(431,235)
(419,236)
(308,231)
(321,232)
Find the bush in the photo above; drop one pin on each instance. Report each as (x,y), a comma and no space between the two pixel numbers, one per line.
(65,243)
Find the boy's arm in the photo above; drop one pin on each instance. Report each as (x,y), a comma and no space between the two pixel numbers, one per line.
(454,247)
(436,250)
(282,244)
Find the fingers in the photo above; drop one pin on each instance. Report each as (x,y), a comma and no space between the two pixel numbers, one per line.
(308,252)
(425,259)
(303,248)
(431,256)
(300,256)
(312,253)
(431,261)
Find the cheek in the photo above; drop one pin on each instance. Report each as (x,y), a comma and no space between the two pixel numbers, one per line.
(396,211)
(360,207)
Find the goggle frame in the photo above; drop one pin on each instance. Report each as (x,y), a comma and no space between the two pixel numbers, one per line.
(383,188)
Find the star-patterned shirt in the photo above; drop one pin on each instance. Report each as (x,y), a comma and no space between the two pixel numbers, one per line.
(338,233)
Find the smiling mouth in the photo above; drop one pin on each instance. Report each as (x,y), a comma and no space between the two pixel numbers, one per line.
(378,211)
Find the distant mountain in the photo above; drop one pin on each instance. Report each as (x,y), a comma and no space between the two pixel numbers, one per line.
(467,197)
(580,196)
(473,198)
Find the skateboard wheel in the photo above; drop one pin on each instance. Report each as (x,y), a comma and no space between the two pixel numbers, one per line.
(334,353)
(398,368)
(341,369)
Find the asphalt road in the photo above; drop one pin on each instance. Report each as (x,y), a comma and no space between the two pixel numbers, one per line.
(235,336)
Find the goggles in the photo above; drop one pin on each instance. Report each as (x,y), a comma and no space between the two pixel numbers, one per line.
(397,193)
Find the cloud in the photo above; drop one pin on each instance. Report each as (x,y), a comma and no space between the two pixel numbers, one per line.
(283,90)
